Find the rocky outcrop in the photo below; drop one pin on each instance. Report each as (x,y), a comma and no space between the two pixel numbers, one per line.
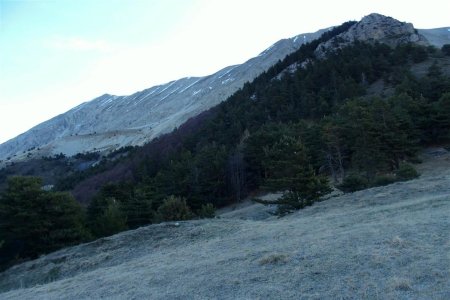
(375,28)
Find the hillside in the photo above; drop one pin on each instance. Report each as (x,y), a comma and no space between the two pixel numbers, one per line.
(110,122)
(353,109)
(388,243)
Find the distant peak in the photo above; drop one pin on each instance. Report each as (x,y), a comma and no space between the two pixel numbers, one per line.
(375,28)
(374,16)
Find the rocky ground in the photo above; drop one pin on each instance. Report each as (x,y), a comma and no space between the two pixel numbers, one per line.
(389,242)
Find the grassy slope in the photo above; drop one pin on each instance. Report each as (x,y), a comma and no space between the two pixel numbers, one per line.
(388,243)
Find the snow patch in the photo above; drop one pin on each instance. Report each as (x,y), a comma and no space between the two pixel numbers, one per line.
(227,80)
(265,51)
(107,100)
(196,92)
(295,39)
(168,86)
(189,86)
(227,72)
(152,91)
(77,108)
(172,92)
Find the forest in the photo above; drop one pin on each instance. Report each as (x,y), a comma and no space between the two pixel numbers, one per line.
(356,119)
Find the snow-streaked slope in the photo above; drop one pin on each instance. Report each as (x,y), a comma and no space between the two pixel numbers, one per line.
(109,121)
(437,36)
(388,242)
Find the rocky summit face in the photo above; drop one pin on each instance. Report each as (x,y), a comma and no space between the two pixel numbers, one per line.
(110,122)
(375,28)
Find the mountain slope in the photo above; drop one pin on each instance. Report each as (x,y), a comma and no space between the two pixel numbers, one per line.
(109,122)
(389,242)
(437,36)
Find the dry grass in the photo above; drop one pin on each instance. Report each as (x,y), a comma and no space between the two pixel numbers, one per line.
(273,259)
(382,243)
(401,284)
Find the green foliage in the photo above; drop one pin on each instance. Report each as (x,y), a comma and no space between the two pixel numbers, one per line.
(174,209)
(406,172)
(353,182)
(288,170)
(34,221)
(440,117)
(110,221)
(121,206)
(446,49)
(207,211)
(382,180)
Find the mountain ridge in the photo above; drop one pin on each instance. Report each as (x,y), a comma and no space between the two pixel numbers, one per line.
(109,122)
(141,116)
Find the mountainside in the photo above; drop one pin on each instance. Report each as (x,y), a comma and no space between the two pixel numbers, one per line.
(110,122)
(437,36)
(361,110)
(382,243)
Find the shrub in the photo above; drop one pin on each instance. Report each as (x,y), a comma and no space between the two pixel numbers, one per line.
(174,209)
(353,183)
(406,172)
(207,211)
(446,49)
(110,221)
(383,180)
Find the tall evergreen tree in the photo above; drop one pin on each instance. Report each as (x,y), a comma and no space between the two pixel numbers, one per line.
(34,221)
(289,171)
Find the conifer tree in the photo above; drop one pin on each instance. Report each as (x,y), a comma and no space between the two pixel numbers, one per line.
(34,221)
(289,171)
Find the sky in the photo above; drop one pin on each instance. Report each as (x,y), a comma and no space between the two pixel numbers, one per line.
(56,54)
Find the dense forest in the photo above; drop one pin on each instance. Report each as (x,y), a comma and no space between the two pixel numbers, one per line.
(357,118)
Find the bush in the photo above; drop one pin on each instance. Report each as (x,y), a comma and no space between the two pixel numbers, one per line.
(110,221)
(446,49)
(174,209)
(406,172)
(34,221)
(353,183)
(383,180)
(207,211)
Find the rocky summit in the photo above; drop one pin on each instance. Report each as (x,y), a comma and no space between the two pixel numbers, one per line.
(375,28)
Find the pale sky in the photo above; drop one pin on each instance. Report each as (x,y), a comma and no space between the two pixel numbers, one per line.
(56,54)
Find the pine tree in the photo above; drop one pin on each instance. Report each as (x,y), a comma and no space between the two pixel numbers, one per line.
(174,209)
(34,221)
(110,219)
(289,171)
